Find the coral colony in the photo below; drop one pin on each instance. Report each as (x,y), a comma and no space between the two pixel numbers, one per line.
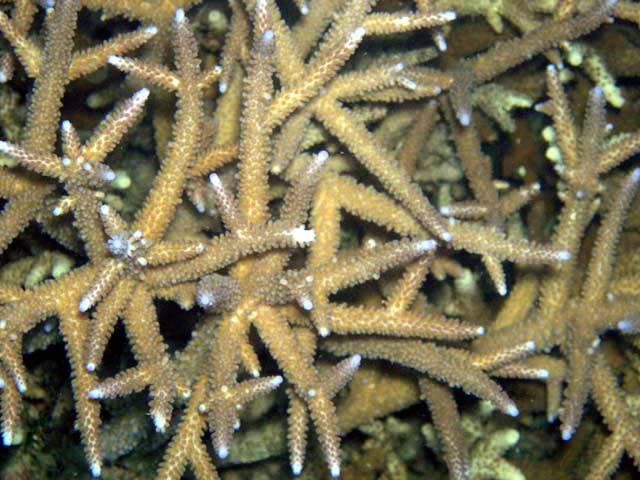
(346,209)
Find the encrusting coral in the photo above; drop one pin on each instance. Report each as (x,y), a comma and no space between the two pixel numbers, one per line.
(285,219)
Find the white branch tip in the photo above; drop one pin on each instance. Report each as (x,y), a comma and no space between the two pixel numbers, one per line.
(449,16)
(214,179)
(358,33)
(322,156)
(356,360)
(512,411)
(160,422)
(302,235)
(141,95)
(223,452)
(464,118)
(85,304)
(115,60)
(268,36)
(96,470)
(96,394)
(427,245)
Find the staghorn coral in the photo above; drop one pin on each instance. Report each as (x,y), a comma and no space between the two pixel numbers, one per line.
(301,143)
